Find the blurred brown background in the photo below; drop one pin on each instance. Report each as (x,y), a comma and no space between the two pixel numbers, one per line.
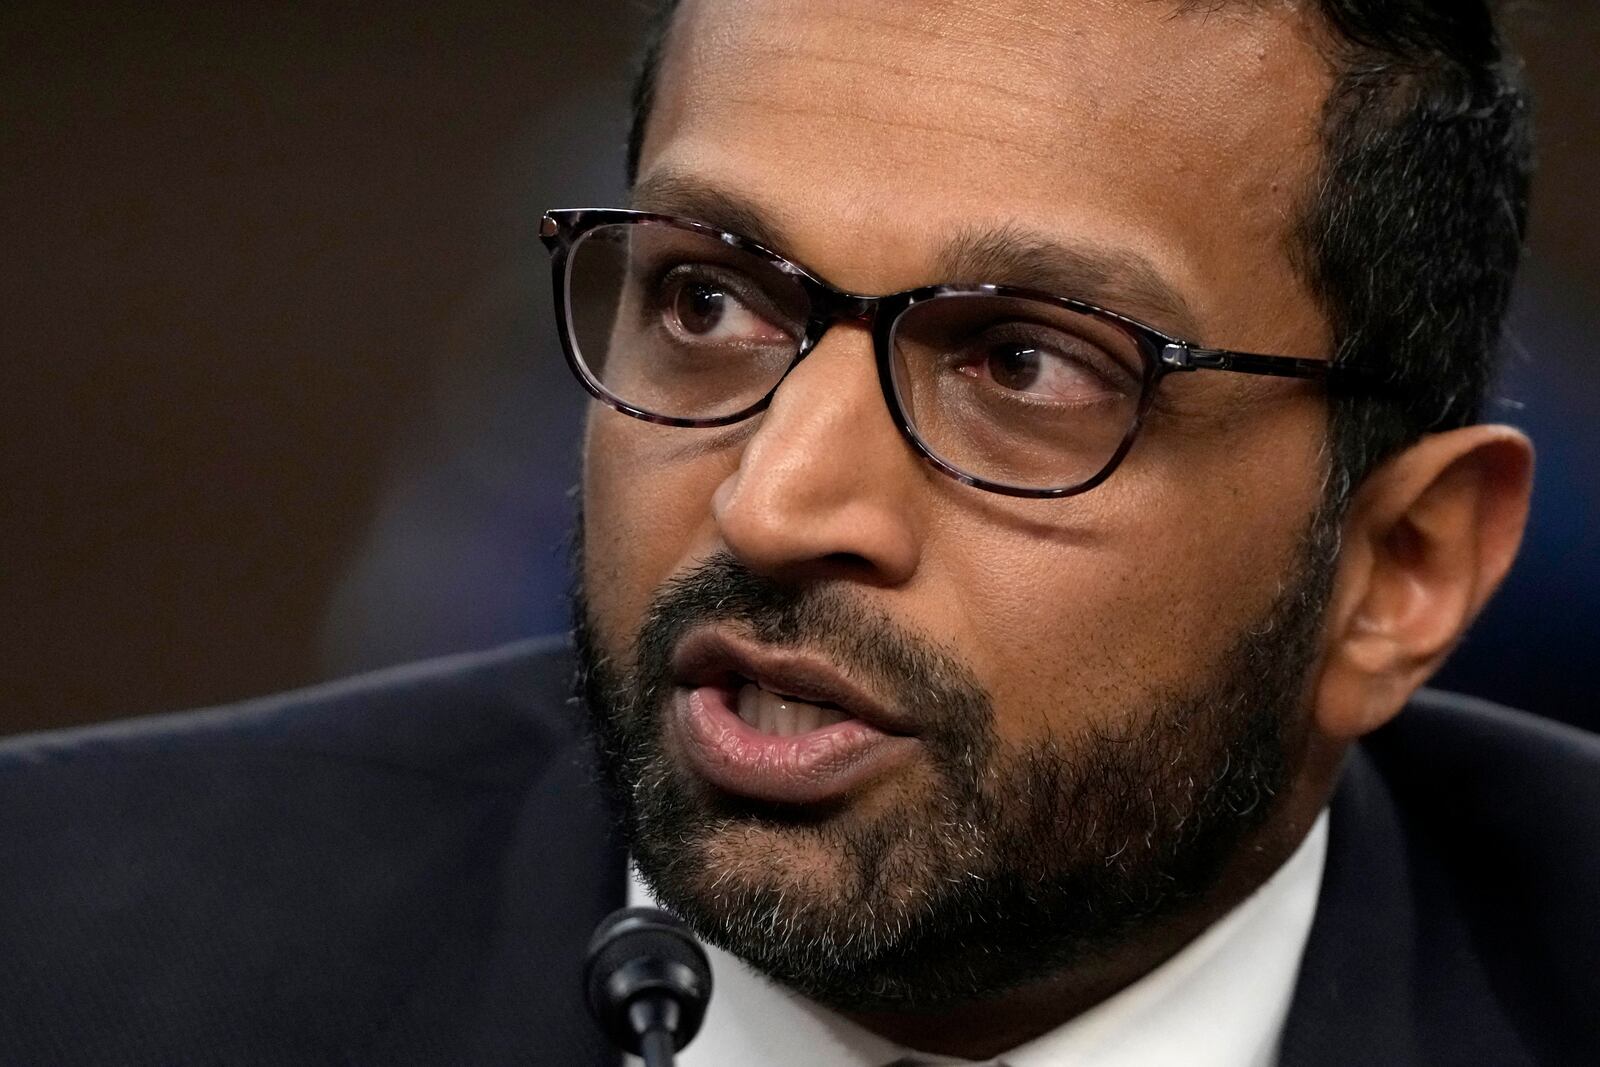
(281,399)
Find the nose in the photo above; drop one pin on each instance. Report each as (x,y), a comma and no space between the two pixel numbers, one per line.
(826,486)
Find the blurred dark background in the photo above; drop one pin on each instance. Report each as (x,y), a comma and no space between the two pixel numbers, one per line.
(281,395)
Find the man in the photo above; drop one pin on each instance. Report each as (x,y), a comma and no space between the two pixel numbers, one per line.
(996,631)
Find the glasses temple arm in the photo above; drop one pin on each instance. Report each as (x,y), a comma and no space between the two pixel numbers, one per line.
(1186,357)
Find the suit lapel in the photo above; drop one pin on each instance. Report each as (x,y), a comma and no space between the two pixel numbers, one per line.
(504,984)
(1395,972)
(1352,1003)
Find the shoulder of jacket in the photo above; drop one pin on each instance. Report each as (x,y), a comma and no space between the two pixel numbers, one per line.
(521,689)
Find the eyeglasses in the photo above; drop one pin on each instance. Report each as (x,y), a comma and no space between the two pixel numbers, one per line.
(1006,389)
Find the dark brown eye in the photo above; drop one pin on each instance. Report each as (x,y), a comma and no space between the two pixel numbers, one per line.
(1014,366)
(1063,369)
(699,307)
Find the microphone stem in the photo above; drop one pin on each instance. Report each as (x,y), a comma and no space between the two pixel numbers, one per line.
(655,1048)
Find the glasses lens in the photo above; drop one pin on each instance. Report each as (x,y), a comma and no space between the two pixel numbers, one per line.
(1017,392)
(679,323)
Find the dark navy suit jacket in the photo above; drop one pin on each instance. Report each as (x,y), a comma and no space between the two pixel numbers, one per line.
(405,868)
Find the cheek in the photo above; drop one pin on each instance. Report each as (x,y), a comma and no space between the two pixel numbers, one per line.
(1082,632)
(1064,641)
(646,513)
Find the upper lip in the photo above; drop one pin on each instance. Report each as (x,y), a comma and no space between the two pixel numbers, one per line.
(708,656)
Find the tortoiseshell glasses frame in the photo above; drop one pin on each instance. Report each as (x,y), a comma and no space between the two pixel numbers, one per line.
(1162,354)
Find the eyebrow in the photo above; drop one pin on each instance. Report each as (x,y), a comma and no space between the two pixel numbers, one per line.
(669,193)
(1120,280)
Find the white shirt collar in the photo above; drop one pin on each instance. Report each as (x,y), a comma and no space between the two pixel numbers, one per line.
(1221,1001)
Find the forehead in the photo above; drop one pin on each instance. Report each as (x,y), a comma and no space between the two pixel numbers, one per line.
(870,132)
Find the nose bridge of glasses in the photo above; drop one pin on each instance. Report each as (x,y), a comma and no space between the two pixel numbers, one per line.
(830,306)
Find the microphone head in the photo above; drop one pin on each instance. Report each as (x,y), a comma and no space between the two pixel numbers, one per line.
(644,954)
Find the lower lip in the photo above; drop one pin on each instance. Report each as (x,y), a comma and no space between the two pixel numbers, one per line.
(804,769)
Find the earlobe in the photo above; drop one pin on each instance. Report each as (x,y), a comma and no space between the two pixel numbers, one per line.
(1428,537)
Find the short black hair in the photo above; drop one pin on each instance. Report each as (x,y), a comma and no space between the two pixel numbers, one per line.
(1412,229)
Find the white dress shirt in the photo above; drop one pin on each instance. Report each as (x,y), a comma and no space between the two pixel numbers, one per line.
(1221,1001)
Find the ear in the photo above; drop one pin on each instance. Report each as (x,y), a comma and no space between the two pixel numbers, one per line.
(1428,538)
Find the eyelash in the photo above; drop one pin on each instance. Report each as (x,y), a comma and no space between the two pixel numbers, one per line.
(749,295)
(1095,359)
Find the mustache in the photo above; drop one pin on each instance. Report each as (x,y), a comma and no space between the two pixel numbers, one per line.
(908,669)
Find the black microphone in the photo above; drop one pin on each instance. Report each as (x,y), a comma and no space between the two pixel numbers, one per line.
(648,983)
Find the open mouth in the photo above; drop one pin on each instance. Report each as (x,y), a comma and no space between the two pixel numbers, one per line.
(782,715)
(780,692)
(779,725)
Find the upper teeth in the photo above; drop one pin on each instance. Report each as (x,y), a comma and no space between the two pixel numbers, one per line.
(783,716)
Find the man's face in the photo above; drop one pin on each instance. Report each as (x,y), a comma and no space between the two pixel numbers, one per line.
(1075,699)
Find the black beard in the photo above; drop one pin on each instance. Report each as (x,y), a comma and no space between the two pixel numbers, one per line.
(1015,864)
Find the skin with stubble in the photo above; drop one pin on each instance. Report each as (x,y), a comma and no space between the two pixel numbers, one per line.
(1125,708)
